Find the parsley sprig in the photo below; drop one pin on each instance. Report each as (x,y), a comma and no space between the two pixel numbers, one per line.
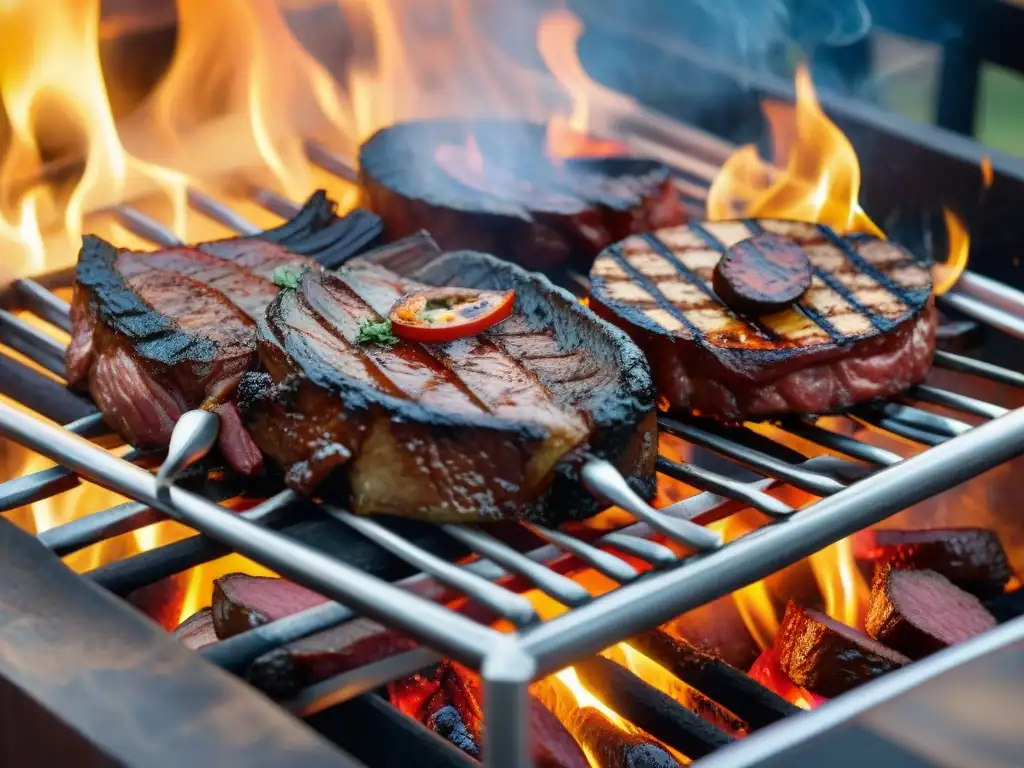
(376,333)
(288,277)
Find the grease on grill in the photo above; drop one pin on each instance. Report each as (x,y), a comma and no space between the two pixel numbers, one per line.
(762,274)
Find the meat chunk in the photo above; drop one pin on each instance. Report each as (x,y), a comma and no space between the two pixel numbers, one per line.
(157,334)
(864,329)
(971,558)
(826,656)
(489,185)
(480,428)
(241,601)
(197,631)
(921,612)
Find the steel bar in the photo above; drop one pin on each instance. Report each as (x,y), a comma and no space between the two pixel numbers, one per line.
(138,223)
(562,589)
(222,214)
(979,368)
(40,392)
(992,292)
(34,344)
(925,420)
(45,483)
(44,303)
(329,161)
(834,441)
(812,482)
(876,419)
(97,526)
(649,602)
(341,688)
(273,202)
(455,635)
(706,480)
(505,603)
(601,561)
(656,554)
(979,309)
(957,401)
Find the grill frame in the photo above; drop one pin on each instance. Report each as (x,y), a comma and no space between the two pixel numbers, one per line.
(509,662)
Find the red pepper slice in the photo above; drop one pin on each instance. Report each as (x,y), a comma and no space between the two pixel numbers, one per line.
(437,315)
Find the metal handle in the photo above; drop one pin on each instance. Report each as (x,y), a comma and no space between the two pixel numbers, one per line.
(193,437)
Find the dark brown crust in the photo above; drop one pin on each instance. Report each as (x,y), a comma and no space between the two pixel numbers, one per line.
(897,624)
(241,602)
(971,558)
(197,630)
(568,213)
(764,273)
(308,402)
(816,656)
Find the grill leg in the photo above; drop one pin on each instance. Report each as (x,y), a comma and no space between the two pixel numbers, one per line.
(507,671)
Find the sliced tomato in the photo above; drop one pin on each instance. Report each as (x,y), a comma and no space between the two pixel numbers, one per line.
(437,315)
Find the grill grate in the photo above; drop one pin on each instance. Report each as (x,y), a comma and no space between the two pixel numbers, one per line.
(853,495)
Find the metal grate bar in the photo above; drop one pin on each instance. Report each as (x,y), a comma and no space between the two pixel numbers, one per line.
(924,420)
(706,480)
(656,554)
(957,401)
(834,441)
(138,223)
(873,418)
(515,608)
(812,482)
(565,591)
(42,302)
(979,309)
(979,368)
(222,214)
(324,158)
(94,528)
(273,202)
(601,561)
(34,344)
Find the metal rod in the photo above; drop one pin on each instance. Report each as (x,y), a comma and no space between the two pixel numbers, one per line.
(812,482)
(604,562)
(919,419)
(992,292)
(506,672)
(454,634)
(958,401)
(222,214)
(97,526)
(985,312)
(850,446)
(648,602)
(504,602)
(44,303)
(341,688)
(879,421)
(979,368)
(138,223)
(37,346)
(273,202)
(565,591)
(324,158)
(706,480)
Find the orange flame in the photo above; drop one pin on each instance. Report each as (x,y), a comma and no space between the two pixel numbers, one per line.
(946,275)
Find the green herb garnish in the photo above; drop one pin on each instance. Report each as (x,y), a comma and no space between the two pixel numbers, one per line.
(288,277)
(376,333)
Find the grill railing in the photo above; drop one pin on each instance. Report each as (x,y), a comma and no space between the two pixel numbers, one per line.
(860,486)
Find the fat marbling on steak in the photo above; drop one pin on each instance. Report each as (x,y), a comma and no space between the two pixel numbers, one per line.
(155,334)
(864,329)
(481,428)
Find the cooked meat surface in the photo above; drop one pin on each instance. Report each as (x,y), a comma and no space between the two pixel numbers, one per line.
(971,558)
(479,428)
(157,334)
(920,612)
(196,631)
(828,657)
(490,186)
(864,329)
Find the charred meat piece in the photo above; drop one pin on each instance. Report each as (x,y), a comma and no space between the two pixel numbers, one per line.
(197,631)
(157,334)
(477,429)
(490,186)
(241,601)
(826,656)
(921,612)
(864,329)
(971,558)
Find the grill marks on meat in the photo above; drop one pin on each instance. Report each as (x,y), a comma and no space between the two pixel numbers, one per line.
(864,329)
(469,431)
(921,612)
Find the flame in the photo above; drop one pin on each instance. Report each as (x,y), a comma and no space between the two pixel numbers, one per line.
(820,183)
(946,275)
(987,175)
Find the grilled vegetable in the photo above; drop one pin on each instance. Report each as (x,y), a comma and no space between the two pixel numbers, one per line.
(445,314)
(864,329)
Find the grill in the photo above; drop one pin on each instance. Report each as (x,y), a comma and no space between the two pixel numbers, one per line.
(859,484)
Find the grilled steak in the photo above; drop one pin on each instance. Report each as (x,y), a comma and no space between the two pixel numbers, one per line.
(921,612)
(864,329)
(490,186)
(480,428)
(826,656)
(971,558)
(196,631)
(157,334)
